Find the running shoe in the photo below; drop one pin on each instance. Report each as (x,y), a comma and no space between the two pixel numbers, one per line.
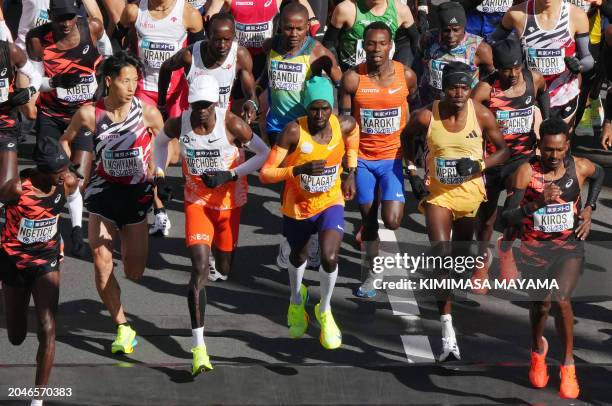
(297,318)
(125,341)
(597,112)
(449,347)
(213,274)
(569,388)
(162,225)
(538,371)
(507,264)
(331,337)
(481,273)
(585,127)
(282,259)
(201,361)
(314,252)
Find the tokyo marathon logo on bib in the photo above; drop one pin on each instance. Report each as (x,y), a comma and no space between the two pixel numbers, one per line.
(123,162)
(385,121)
(37,231)
(84,91)
(200,161)
(320,183)
(287,75)
(494,6)
(435,73)
(41,18)
(156,53)
(446,171)
(554,218)
(519,121)
(546,61)
(253,35)
(4,90)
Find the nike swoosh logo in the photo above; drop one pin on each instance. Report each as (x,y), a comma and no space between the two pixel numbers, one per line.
(331,147)
(215,140)
(391,91)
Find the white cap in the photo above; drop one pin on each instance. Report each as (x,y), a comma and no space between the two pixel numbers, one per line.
(204,88)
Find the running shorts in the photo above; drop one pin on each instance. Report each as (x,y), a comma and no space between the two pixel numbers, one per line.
(122,204)
(8,139)
(566,111)
(384,176)
(23,278)
(47,126)
(210,226)
(298,232)
(460,208)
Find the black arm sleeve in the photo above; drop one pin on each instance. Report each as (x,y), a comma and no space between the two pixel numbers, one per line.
(608,107)
(595,184)
(331,38)
(408,34)
(193,37)
(468,4)
(118,34)
(606,9)
(500,33)
(544,103)
(513,213)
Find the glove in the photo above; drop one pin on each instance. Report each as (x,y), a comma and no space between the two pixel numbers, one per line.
(573,64)
(218,178)
(78,246)
(418,187)
(467,167)
(20,96)
(65,80)
(164,191)
(423,22)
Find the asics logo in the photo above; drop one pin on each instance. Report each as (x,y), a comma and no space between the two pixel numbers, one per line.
(11,145)
(569,183)
(472,134)
(267,3)
(57,198)
(53,263)
(528,100)
(3,72)
(86,49)
(104,126)
(391,91)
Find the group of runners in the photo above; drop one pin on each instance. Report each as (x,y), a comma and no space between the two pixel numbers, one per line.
(486,102)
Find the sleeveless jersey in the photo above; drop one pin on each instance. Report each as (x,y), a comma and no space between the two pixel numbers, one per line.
(444,148)
(350,50)
(31,235)
(254,22)
(225,74)
(210,153)
(63,103)
(515,117)
(307,195)
(158,40)
(34,13)
(381,113)
(8,114)
(545,51)
(494,6)
(287,75)
(122,149)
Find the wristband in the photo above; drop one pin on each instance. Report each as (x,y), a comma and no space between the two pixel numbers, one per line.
(254,104)
(411,167)
(481,163)
(423,8)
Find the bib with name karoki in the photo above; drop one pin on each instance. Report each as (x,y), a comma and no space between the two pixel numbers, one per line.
(494,6)
(446,171)
(37,231)
(253,35)
(546,61)
(123,162)
(519,121)
(84,91)
(386,121)
(155,53)
(320,183)
(287,75)
(554,218)
(200,161)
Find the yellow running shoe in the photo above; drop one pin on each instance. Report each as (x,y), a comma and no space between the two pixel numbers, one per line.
(125,341)
(297,318)
(585,127)
(331,337)
(201,361)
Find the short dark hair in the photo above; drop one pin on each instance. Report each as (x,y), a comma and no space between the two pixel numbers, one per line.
(113,64)
(554,126)
(293,8)
(220,17)
(378,25)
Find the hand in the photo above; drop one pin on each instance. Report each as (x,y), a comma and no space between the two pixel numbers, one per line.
(348,187)
(249,112)
(78,245)
(549,195)
(11,191)
(573,64)
(606,136)
(583,230)
(214,179)
(423,22)
(467,167)
(163,109)
(66,80)
(164,191)
(20,96)
(418,187)
(310,168)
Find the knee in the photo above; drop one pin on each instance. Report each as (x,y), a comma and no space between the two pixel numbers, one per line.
(297,258)
(46,330)
(564,305)
(199,276)
(329,259)
(392,221)
(541,307)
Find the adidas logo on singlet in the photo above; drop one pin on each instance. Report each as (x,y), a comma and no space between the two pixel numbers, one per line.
(472,134)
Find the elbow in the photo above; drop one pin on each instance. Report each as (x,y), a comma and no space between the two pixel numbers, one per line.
(263,177)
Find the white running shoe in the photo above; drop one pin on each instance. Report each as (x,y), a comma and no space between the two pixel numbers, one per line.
(449,346)
(214,275)
(162,225)
(314,252)
(282,259)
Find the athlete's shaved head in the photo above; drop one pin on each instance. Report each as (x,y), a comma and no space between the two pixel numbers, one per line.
(292,9)
(294,25)
(219,18)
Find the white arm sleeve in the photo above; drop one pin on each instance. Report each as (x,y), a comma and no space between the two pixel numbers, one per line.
(161,150)
(252,164)
(32,73)
(45,85)
(105,48)
(75,207)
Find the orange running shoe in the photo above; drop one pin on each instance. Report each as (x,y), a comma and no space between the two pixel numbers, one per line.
(507,265)
(538,371)
(481,273)
(569,388)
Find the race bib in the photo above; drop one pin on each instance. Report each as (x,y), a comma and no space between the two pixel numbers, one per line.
(546,61)
(200,161)
(123,162)
(4,90)
(224,96)
(494,6)
(287,75)
(385,121)
(154,53)
(583,4)
(446,172)
(253,35)
(320,183)
(360,56)
(84,91)
(519,121)
(197,4)
(554,218)
(36,231)
(41,18)
(435,73)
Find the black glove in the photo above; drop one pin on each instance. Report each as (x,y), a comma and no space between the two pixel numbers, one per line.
(573,64)
(66,80)
(20,96)
(418,187)
(78,246)
(164,191)
(423,22)
(218,178)
(467,167)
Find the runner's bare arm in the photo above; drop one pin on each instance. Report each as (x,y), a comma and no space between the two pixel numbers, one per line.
(85,117)
(96,28)
(247,83)
(491,132)
(127,20)
(192,19)
(412,84)
(579,22)
(348,89)
(484,60)
(416,128)
(215,6)
(482,93)
(71,184)
(322,60)
(114,8)
(92,9)
(343,16)
(513,20)
(181,59)
(542,95)
(171,130)
(350,134)
(513,214)
(287,140)
(152,118)
(243,136)
(404,15)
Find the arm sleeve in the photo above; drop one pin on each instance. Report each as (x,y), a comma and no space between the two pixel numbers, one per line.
(193,37)
(351,144)
(500,33)
(595,184)
(408,34)
(32,73)
(161,150)
(583,53)
(118,34)
(544,104)
(104,45)
(45,85)
(252,164)
(331,38)
(270,172)
(606,9)
(75,207)
(513,213)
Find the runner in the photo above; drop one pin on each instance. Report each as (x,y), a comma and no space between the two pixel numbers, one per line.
(212,142)
(545,203)
(555,39)
(484,15)
(31,251)
(452,44)
(163,27)
(123,128)
(512,97)
(313,149)
(376,94)
(349,20)
(454,130)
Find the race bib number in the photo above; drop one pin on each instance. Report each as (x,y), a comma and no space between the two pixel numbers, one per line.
(519,121)
(37,231)
(546,61)
(494,6)
(320,183)
(156,53)
(554,218)
(84,91)
(287,75)
(123,162)
(224,96)
(4,90)
(446,172)
(253,35)
(435,73)
(200,161)
(385,121)
(360,56)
